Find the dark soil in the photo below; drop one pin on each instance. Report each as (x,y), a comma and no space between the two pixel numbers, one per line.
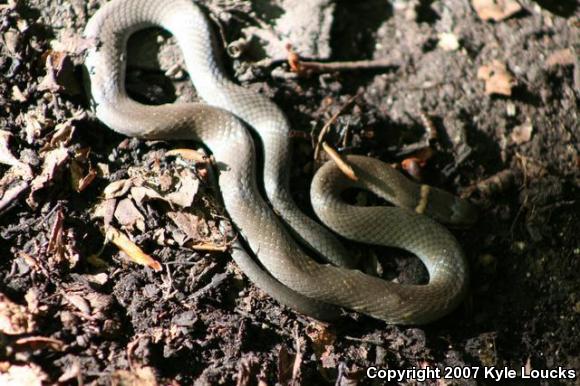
(88,316)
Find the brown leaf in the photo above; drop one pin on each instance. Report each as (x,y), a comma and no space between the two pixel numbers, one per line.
(134,253)
(498,80)
(321,337)
(53,162)
(118,188)
(61,244)
(186,191)
(129,216)
(189,154)
(496,10)
(80,177)
(143,193)
(59,74)
(55,239)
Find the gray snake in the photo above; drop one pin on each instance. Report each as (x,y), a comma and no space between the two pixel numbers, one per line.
(285,271)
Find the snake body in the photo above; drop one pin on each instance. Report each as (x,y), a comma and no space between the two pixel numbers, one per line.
(286,272)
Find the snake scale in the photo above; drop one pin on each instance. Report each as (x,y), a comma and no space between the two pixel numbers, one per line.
(285,270)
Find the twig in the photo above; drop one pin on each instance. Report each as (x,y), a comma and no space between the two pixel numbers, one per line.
(302,67)
(340,162)
(369,341)
(327,125)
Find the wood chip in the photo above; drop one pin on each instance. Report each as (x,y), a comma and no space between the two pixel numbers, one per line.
(498,80)
(560,58)
(496,10)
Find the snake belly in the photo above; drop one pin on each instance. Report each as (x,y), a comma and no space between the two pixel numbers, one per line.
(285,271)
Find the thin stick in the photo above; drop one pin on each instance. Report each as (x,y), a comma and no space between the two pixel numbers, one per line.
(340,162)
(302,67)
(327,125)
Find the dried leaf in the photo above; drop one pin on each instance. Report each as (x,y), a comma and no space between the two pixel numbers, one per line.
(72,371)
(189,154)
(143,193)
(118,188)
(320,336)
(81,179)
(62,135)
(134,253)
(129,216)
(496,10)
(79,303)
(498,80)
(34,123)
(61,244)
(55,239)
(186,191)
(18,95)
(188,223)
(59,74)
(33,301)
(53,162)
(72,43)
(208,247)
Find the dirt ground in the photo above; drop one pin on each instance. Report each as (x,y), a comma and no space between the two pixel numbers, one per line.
(487,109)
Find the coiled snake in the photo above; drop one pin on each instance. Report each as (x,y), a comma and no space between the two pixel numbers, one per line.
(287,273)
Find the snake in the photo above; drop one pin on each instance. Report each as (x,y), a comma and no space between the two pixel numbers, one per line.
(293,258)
